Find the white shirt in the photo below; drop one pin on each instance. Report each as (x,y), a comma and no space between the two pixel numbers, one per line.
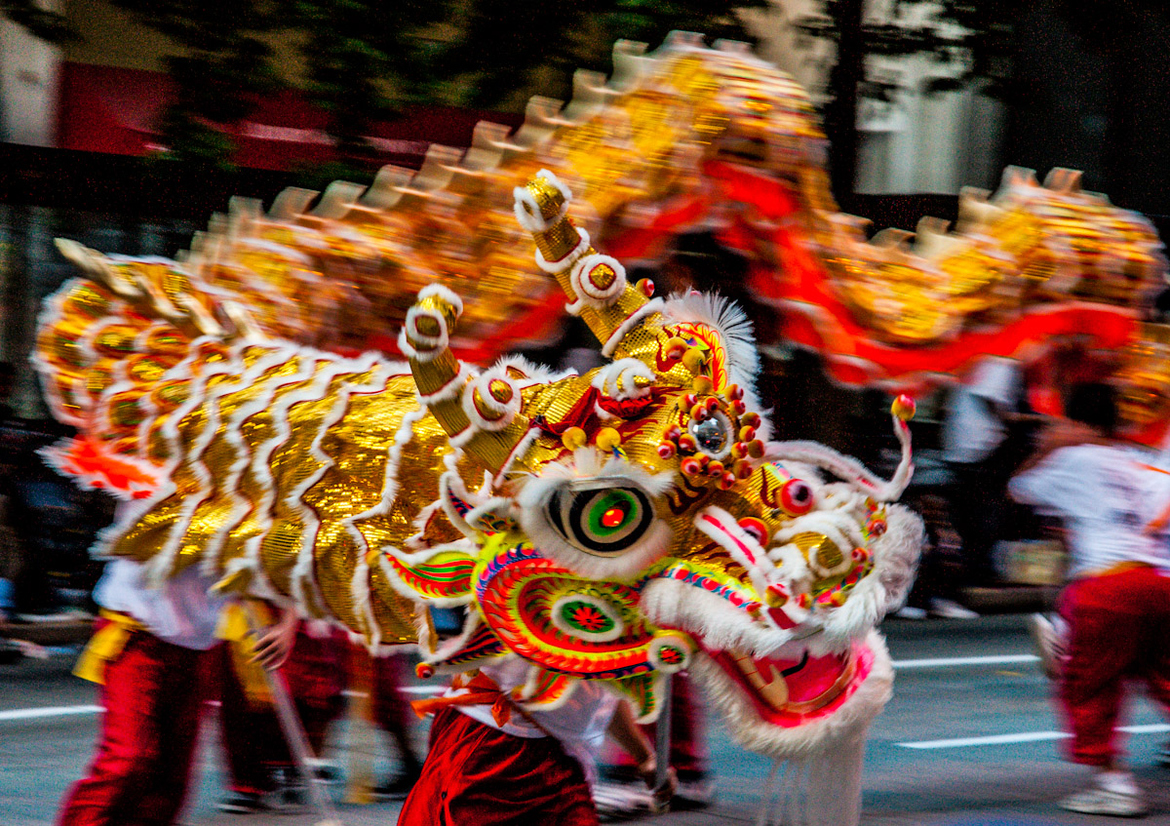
(180,611)
(1105,495)
(580,724)
(971,431)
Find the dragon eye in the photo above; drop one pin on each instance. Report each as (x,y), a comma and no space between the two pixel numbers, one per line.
(712,435)
(796,497)
(599,518)
(755,528)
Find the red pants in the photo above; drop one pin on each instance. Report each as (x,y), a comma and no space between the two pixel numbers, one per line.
(1119,628)
(475,775)
(390,708)
(252,737)
(152,696)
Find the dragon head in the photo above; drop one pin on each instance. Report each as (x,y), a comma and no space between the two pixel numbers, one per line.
(634,521)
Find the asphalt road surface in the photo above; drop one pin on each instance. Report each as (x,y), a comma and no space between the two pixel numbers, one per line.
(969,739)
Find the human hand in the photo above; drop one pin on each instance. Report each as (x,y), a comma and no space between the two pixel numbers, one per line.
(272,648)
(648,771)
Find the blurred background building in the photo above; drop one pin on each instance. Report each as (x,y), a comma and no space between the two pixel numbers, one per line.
(919,100)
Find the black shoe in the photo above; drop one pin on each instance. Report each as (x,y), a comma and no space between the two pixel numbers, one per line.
(243,803)
(396,788)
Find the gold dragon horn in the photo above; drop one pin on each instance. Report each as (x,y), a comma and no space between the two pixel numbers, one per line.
(481,412)
(595,284)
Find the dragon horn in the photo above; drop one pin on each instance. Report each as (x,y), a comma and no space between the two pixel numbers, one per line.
(595,284)
(479,412)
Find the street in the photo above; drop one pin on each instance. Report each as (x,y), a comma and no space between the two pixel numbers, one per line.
(969,738)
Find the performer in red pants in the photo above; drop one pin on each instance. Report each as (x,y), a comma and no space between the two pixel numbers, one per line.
(149,653)
(492,764)
(1118,602)
(257,753)
(392,714)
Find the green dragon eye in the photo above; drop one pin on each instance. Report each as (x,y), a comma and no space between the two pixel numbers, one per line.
(611,513)
(600,518)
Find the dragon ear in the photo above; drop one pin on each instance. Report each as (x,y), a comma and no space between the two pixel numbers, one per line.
(482,413)
(595,284)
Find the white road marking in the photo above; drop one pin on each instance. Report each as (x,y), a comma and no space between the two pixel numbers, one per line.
(406,689)
(951,662)
(49,711)
(1021,737)
(67,711)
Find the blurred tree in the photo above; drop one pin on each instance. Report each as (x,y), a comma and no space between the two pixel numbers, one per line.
(502,53)
(226,62)
(364,61)
(969,43)
(45,24)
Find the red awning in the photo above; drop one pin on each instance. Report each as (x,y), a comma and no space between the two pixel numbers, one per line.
(114,110)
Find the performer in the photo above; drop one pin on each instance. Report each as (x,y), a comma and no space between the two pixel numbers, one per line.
(490,763)
(150,655)
(1117,604)
(257,754)
(392,715)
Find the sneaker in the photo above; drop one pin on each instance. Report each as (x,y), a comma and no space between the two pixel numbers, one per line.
(909,612)
(949,609)
(291,792)
(1098,801)
(695,791)
(621,801)
(324,770)
(396,788)
(1048,639)
(242,803)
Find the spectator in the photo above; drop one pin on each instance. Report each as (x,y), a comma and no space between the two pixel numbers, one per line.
(976,448)
(1117,603)
(940,569)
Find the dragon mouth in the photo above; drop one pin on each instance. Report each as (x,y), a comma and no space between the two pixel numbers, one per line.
(791,689)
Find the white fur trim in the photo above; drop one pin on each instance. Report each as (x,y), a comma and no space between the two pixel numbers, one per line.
(895,555)
(721,527)
(588,294)
(444,294)
(527,211)
(651,307)
(422,343)
(707,617)
(616,379)
(506,411)
(816,737)
(845,467)
(735,328)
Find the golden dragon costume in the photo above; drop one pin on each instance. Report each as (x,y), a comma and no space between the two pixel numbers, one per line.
(615,526)
(618,525)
